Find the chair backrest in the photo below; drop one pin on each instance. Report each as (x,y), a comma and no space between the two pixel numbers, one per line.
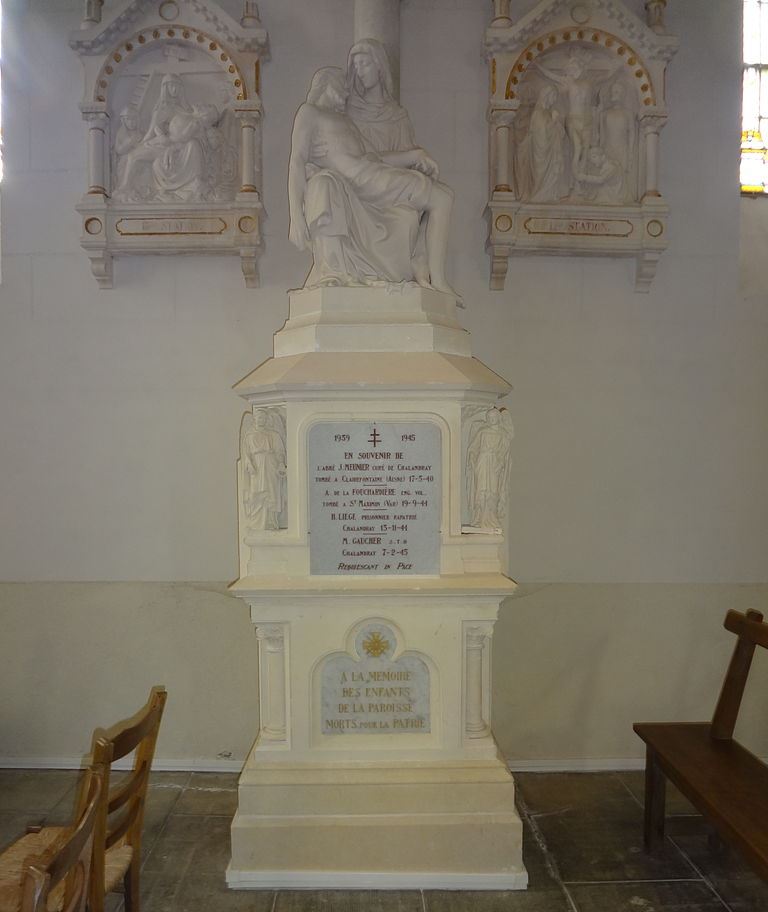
(751,632)
(70,862)
(122,812)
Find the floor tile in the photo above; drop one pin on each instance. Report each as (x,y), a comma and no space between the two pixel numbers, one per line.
(34,790)
(169,779)
(214,780)
(677,803)
(113,903)
(348,901)
(732,878)
(586,848)
(540,876)
(158,892)
(12,826)
(63,812)
(204,893)
(645,897)
(600,794)
(202,841)
(491,901)
(161,801)
(209,793)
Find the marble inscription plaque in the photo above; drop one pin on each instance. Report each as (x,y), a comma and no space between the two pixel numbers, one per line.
(152,226)
(374,498)
(579,226)
(374,694)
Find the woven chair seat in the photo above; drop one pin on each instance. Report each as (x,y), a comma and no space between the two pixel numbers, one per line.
(15,858)
(116,862)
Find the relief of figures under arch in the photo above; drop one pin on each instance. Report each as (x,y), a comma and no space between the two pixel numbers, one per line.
(575,134)
(176,138)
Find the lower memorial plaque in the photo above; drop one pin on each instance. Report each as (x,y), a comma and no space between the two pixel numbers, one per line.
(374,693)
(374,498)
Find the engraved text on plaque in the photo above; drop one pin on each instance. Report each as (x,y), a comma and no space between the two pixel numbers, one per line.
(374,498)
(374,694)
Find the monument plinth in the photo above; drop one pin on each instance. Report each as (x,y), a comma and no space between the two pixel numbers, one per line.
(371,451)
(374,765)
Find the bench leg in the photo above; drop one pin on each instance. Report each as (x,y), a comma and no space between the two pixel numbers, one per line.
(655,802)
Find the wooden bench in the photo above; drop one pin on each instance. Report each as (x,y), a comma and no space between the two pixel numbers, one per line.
(723,780)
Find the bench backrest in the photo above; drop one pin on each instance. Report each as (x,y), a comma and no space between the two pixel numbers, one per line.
(751,632)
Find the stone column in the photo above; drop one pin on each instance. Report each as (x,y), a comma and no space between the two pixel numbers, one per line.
(501,14)
(272,681)
(91,13)
(651,128)
(98,150)
(249,120)
(380,19)
(654,14)
(502,123)
(475,725)
(250,17)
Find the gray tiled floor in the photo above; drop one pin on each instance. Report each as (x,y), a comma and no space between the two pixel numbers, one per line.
(583,851)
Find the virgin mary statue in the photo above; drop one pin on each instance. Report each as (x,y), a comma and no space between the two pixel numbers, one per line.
(371,103)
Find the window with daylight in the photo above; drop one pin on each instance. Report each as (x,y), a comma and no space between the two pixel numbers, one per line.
(754,122)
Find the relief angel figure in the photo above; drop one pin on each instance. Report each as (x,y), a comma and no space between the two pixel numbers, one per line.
(488,468)
(262,455)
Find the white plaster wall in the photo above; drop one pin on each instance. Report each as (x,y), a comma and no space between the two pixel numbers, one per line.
(641,431)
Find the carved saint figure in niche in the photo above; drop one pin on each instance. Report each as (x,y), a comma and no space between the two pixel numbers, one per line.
(579,89)
(262,455)
(183,155)
(488,468)
(602,180)
(617,135)
(546,152)
(382,121)
(359,210)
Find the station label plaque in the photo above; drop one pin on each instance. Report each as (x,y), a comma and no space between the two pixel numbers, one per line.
(374,498)
(374,694)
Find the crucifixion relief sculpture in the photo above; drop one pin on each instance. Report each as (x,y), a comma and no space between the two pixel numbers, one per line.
(361,193)
(577,106)
(579,137)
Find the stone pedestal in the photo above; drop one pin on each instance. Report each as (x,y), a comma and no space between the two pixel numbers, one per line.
(374,765)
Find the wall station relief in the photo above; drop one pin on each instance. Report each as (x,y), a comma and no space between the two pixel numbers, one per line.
(576,110)
(172,107)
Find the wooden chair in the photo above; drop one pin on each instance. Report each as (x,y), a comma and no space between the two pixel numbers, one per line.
(117,838)
(723,780)
(45,871)
(120,812)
